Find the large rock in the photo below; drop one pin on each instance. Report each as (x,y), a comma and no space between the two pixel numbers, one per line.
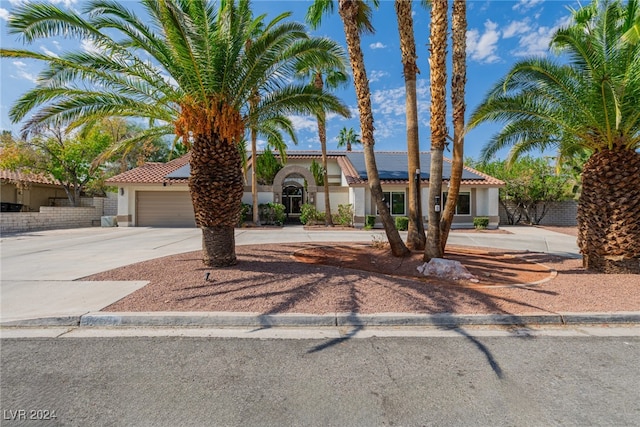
(446,269)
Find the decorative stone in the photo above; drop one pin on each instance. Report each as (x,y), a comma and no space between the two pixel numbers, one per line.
(446,269)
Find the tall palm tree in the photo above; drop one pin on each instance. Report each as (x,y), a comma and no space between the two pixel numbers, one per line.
(273,129)
(458,81)
(348,138)
(197,83)
(589,103)
(356,19)
(326,77)
(438,77)
(415,234)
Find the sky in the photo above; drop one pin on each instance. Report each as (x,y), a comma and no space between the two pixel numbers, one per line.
(499,34)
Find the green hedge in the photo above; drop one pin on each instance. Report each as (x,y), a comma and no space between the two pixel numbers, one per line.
(370,222)
(402,223)
(481,222)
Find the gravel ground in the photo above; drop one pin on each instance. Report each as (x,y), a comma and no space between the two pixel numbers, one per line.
(294,279)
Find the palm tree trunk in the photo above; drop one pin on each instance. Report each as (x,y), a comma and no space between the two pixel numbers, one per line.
(216,184)
(254,178)
(348,10)
(415,234)
(458,81)
(609,212)
(438,66)
(322,135)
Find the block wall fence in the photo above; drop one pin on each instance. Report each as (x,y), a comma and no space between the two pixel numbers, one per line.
(60,217)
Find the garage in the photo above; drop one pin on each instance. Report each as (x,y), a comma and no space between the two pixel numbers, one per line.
(164,209)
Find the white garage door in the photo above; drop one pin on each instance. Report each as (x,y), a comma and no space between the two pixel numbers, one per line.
(164,209)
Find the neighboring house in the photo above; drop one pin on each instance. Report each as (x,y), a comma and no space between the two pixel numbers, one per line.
(157,194)
(27,191)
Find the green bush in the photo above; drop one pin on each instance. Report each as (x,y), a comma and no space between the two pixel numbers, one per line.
(344,216)
(402,223)
(369,222)
(310,215)
(245,213)
(481,222)
(272,213)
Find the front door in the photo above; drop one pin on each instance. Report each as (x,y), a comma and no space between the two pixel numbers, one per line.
(292,199)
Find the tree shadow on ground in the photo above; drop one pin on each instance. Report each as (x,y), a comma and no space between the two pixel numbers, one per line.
(268,281)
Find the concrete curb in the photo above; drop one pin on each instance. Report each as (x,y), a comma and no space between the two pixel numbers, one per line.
(240,319)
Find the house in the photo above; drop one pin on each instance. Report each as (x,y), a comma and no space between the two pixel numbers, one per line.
(28,191)
(157,194)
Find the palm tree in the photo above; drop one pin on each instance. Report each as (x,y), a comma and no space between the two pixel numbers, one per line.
(329,77)
(348,138)
(458,81)
(273,129)
(415,234)
(356,19)
(438,77)
(197,85)
(589,103)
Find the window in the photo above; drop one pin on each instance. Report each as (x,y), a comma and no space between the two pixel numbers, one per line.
(395,201)
(463,207)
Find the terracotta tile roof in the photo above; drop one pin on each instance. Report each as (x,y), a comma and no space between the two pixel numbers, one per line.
(391,165)
(151,173)
(34,178)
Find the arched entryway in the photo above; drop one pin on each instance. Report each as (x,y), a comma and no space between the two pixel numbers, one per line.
(294,186)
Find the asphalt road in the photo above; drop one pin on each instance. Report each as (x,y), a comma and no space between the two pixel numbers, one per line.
(459,380)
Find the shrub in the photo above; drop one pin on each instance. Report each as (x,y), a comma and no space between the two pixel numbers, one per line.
(245,213)
(402,223)
(310,215)
(344,216)
(369,222)
(272,213)
(481,222)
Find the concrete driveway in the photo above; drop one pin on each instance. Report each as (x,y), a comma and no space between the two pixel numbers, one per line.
(41,270)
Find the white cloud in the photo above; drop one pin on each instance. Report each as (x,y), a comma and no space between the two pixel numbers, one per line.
(389,111)
(377,45)
(515,28)
(4,14)
(48,52)
(304,123)
(57,44)
(377,75)
(65,3)
(22,74)
(536,41)
(88,46)
(388,101)
(482,47)
(525,5)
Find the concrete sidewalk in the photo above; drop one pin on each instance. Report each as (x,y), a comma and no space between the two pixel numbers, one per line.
(41,270)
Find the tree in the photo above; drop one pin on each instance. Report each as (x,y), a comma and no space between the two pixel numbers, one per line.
(65,158)
(197,86)
(355,15)
(458,82)
(267,166)
(438,77)
(415,232)
(531,186)
(590,102)
(348,138)
(329,77)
